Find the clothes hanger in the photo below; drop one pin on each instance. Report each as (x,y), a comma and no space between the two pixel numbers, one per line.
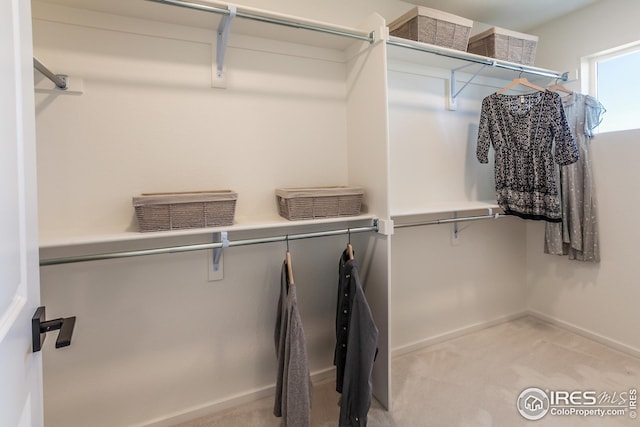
(520,81)
(291,282)
(349,247)
(559,88)
(289,270)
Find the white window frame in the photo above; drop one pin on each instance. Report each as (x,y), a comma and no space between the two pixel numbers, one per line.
(589,66)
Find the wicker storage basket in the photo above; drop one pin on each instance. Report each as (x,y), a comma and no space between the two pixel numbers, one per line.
(195,209)
(506,45)
(433,26)
(319,202)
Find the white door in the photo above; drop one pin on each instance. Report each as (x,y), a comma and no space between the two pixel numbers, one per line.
(20,369)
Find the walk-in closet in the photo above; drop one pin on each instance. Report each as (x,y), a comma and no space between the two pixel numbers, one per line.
(472,309)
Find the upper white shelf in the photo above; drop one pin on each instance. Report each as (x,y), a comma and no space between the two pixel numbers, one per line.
(68,240)
(450,207)
(207,15)
(251,21)
(414,52)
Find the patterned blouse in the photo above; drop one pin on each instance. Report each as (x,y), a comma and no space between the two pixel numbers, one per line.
(528,132)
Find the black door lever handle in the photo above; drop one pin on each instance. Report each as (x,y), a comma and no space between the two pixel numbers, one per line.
(39,328)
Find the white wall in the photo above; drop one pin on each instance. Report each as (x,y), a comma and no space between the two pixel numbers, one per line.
(352,13)
(596,299)
(433,150)
(141,322)
(603,25)
(440,289)
(154,339)
(149,121)
(368,162)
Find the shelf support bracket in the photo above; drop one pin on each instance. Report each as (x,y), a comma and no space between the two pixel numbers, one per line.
(453,94)
(223,237)
(456,230)
(222,40)
(216,266)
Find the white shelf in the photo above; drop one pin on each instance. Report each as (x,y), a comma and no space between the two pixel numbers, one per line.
(425,54)
(183,17)
(69,240)
(254,22)
(448,208)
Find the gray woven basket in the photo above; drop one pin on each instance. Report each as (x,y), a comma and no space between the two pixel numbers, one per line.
(174,211)
(506,45)
(433,26)
(319,202)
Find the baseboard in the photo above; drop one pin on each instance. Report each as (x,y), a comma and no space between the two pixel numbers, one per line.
(230,402)
(617,345)
(418,345)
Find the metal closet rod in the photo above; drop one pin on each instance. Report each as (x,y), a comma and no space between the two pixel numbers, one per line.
(60,82)
(203,246)
(293,24)
(482,60)
(448,220)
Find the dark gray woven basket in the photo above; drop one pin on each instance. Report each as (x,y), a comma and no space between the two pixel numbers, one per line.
(175,211)
(319,202)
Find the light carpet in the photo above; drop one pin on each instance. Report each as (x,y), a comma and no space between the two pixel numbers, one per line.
(475,381)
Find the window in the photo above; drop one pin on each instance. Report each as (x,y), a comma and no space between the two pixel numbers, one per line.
(612,79)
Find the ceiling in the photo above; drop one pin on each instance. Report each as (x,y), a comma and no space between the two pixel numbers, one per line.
(519,15)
